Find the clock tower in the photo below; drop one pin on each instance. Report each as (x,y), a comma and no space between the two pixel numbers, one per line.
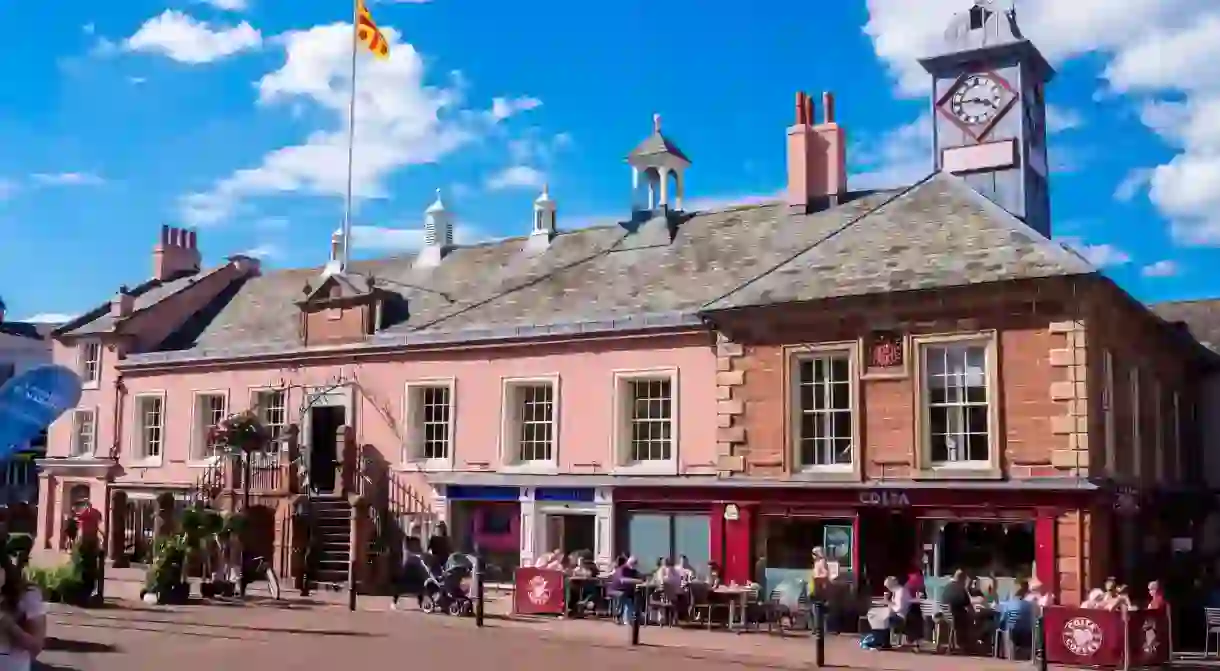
(989,111)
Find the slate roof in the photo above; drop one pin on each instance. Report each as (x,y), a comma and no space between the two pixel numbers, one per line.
(147,294)
(27,330)
(937,233)
(665,271)
(656,144)
(1201,318)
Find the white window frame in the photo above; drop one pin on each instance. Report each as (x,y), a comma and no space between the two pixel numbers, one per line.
(511,389)
(74,447)
(139,447)
(256,397)
(620,434)
(795,356)
(1137,438)
(83,364)
(925,467)
(202,453)
(413,426)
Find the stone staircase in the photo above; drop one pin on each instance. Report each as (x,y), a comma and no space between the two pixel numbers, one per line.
(331,528)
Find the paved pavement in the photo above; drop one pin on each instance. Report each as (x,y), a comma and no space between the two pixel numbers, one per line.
(303,635)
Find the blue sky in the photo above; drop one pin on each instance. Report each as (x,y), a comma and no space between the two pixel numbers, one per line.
(227,115)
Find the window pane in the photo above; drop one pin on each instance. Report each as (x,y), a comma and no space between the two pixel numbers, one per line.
(648,539)
(692,537)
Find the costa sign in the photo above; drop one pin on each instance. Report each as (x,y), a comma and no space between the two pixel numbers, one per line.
(885,499)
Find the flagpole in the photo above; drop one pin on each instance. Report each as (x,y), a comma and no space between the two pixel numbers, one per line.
(351,141)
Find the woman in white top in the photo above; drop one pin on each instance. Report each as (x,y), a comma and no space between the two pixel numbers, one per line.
(23,619)
(884,618)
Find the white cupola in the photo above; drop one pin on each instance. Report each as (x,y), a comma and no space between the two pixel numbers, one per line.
(438,233)
(438,224)
(334,266)
(544,213)
(658,171)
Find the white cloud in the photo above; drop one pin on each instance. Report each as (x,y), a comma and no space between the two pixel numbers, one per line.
(229,5)
(136,81)
(1166,52)
(400,121)
(49,318)
(388,240)
(7,189)
(1165,268)
(89,28)
(263,252)
(516,177)
(1059,119)
(1101,255)
(67,179)
(1131,186)
(899,158)
(503,108)
(188,40)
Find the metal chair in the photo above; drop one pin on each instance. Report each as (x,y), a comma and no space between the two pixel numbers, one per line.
(1003,634)
(946,619)
(1212,619)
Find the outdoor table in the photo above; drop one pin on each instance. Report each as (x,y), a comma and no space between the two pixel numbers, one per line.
(738,606)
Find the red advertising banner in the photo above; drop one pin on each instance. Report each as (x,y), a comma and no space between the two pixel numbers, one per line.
(1082,637)
(538,591)
(1148,631)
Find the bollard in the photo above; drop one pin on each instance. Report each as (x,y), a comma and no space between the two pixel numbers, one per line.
(478,588)
(639,601)
(819,625)
(1039,652)
(351,583)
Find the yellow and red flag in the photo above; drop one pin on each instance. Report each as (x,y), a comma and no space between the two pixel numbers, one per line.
(369,34)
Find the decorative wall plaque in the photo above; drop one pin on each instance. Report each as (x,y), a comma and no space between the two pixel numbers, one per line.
(885,350)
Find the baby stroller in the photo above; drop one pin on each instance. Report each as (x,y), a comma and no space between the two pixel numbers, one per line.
(444,593)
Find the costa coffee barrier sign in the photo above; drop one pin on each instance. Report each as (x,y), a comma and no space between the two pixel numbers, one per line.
(538,591)
(31,401)
(1100,638)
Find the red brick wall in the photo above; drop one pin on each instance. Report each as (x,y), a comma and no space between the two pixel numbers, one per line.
(753,390)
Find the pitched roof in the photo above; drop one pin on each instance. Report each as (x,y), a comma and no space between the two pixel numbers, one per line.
(664,271)
(937,233)
(657,143)
(147,294)
(1201,317)
(29,330)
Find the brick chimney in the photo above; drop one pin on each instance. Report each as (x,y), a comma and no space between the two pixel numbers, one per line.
(123,304)
(175,254)
(817,157)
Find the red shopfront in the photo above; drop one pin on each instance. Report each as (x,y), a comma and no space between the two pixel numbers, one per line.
(880,531)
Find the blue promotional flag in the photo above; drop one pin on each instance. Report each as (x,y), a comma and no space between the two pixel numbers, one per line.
(31,401)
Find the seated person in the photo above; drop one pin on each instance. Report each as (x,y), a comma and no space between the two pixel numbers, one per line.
(891,616)
(956,596)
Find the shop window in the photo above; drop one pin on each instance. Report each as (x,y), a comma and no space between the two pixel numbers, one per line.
(980,548)
(650,537)
(790,540)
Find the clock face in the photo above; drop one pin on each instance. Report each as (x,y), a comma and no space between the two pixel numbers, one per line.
(977,100)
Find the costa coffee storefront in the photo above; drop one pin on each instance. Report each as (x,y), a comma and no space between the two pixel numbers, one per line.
(1002,530)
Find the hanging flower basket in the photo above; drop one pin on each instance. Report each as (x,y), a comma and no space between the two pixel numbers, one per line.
(241,432)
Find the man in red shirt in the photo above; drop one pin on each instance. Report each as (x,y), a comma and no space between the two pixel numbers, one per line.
(88,522)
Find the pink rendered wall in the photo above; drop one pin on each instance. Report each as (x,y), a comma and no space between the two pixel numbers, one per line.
(586,405)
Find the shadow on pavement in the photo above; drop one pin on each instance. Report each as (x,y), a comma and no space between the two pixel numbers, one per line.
(43,666)
(151,630)
(66,645)
(234,627)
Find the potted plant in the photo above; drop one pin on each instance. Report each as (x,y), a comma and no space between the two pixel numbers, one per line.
(243,431)
(166,577)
